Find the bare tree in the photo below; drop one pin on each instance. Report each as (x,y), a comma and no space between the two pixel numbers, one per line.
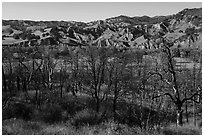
(96,60)
(31,77)
(48,67)
(173,83)
(117,81)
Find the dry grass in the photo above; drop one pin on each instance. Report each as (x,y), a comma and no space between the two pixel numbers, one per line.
(21,127)
(76,114)
(187,129)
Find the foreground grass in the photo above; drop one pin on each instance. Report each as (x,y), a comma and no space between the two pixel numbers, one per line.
(186,129)
(20,127)
(76,116)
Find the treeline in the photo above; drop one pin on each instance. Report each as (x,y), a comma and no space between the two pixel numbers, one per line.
(107,77)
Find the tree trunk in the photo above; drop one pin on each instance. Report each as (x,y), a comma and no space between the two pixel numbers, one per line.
(10,78)
(61,93)
(114,108)
(25,88)
(141,111)
(194,114)
(73,90)
(18,83)
(115,101)
(76,86)
(186,112)
(24,85)
(186,109)
(4,79)
(179,116)
(61,84)
(97,104)
(96,96)
(36,97)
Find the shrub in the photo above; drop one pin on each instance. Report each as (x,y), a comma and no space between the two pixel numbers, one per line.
(85,117)
(71,105)
(51,113)
(17,110)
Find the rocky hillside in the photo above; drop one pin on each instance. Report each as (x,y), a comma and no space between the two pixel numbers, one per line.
(183,30)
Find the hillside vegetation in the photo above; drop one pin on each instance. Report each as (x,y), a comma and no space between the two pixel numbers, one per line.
(119,76)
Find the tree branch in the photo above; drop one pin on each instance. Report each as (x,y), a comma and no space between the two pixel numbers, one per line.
(161,77)
(191,98)
(165,94)
(4,102)
(24,65)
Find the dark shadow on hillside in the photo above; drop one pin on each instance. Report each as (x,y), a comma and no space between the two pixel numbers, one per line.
(71,107)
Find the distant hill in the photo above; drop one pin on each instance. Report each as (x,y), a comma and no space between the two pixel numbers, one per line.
(183,29)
